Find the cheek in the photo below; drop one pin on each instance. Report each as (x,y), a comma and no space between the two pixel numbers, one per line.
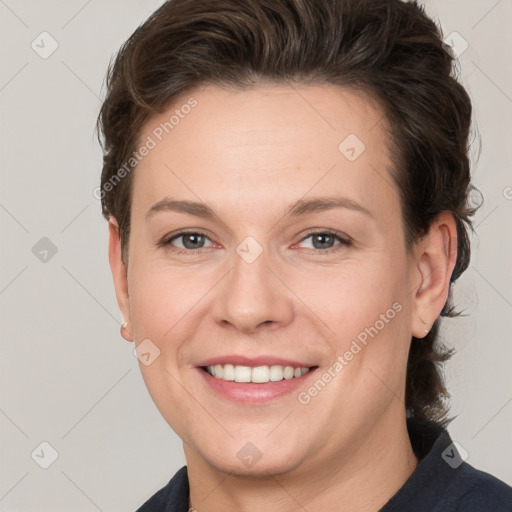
(159,294)
(162,310)
(352,295)
(152,306)
(364,305)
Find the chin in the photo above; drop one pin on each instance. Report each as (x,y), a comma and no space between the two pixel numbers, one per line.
(255,458)
(267,465)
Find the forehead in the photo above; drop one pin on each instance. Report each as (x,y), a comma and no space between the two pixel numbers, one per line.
(245,145)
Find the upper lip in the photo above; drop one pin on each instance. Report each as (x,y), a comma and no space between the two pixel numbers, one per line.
(253,361)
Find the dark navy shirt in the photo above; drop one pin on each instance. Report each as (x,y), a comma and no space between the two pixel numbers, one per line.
(442,482)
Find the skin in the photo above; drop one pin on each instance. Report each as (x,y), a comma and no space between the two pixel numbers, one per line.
(248,155)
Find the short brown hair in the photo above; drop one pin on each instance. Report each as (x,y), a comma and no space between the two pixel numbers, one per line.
(389,49)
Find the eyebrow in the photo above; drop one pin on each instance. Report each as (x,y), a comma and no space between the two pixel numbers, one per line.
(300,207)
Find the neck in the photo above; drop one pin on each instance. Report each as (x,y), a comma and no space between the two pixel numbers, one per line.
(360,482)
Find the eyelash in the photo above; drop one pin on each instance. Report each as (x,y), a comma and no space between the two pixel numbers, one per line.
(344,241)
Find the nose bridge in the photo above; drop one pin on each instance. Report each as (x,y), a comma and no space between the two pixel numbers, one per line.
(251,294)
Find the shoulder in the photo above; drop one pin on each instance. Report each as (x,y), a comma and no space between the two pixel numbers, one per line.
(171,498)
(443,481)
(476,491)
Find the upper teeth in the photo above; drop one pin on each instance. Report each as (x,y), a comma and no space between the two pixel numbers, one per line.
(260,374)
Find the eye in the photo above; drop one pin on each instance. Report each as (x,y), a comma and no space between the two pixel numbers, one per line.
(326,240)
(190,241)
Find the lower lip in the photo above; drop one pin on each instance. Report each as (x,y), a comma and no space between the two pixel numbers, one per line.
(250,392)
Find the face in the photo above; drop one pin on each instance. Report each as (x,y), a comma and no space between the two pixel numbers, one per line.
(292,255)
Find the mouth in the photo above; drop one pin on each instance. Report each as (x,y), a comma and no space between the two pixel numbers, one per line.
(256,374)
(254,385)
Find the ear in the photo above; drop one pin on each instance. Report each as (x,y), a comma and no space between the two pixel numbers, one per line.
(436,255)
(119,275)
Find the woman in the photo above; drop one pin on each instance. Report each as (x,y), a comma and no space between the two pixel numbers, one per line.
(286,184)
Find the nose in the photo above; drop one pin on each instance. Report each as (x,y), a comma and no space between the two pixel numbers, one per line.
(252,297)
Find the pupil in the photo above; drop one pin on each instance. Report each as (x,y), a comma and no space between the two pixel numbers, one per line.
(325,241)
(195,240)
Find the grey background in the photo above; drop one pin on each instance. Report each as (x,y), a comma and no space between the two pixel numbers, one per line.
(67,377)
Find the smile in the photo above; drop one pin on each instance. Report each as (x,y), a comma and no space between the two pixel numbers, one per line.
(254,374)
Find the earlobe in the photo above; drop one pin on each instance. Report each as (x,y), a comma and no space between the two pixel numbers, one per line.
(126,332)
(119,275)
(436,256)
